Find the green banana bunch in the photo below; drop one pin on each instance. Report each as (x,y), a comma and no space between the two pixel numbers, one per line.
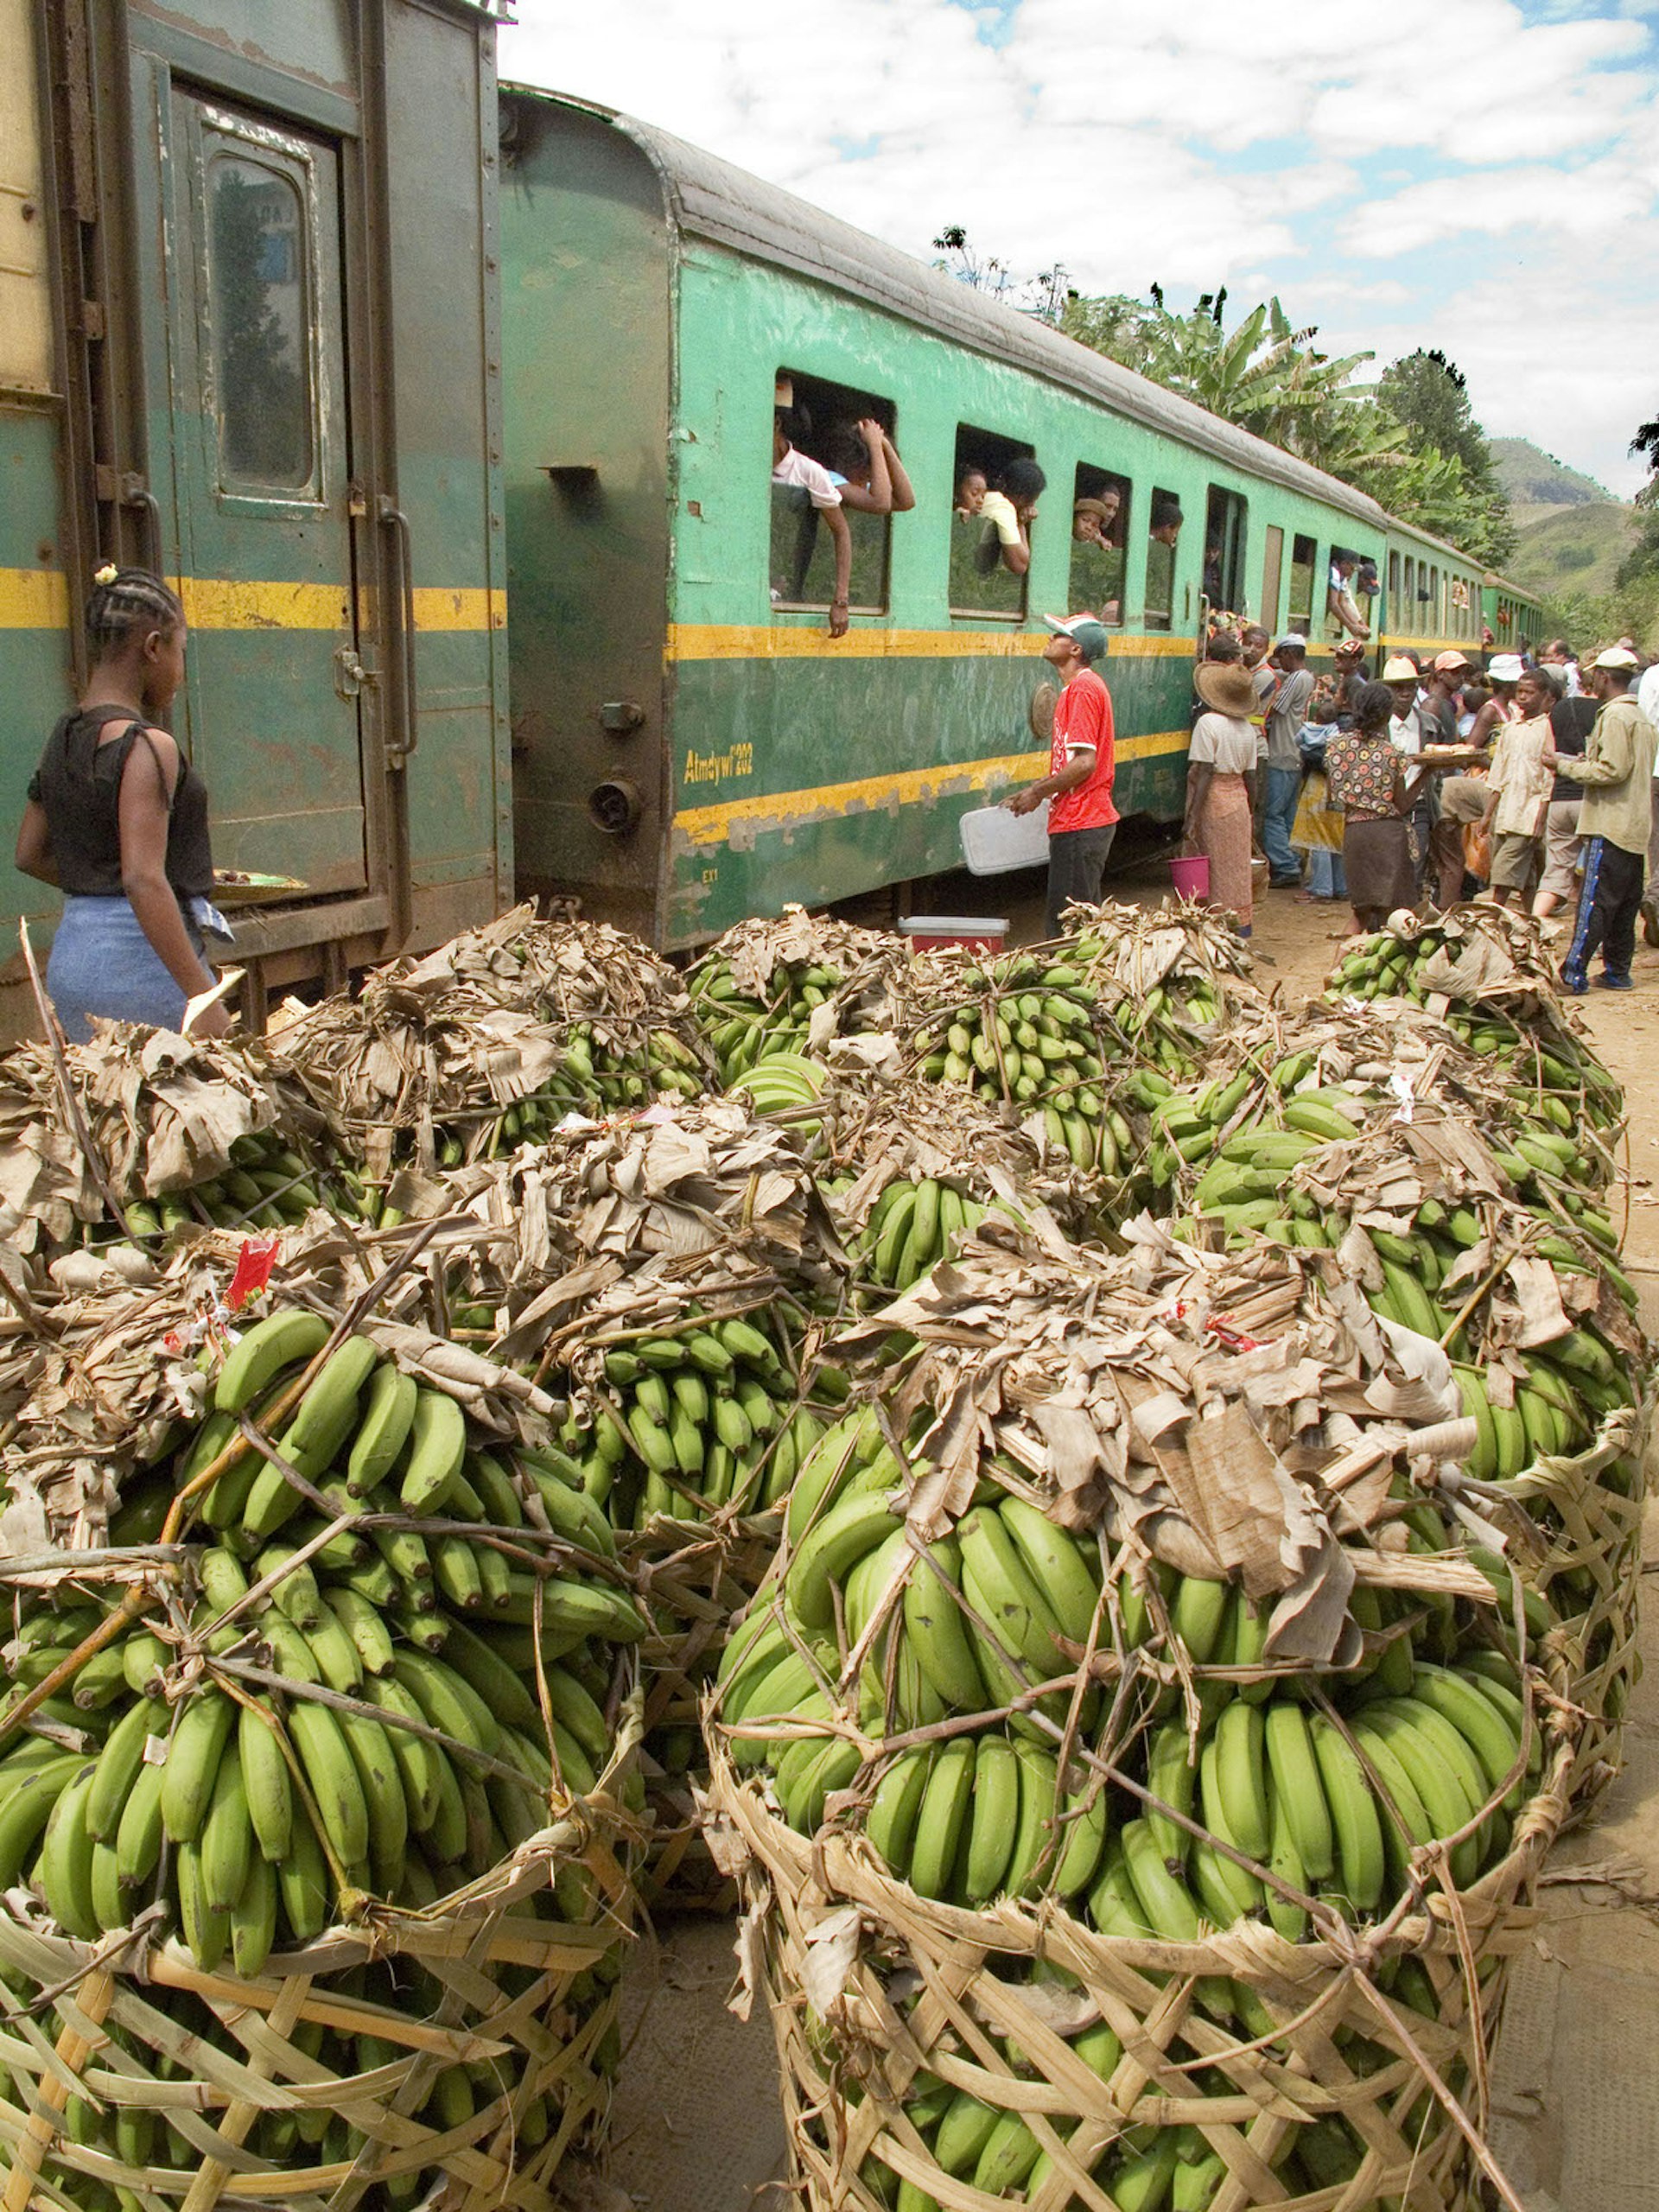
(708,1418)
(266,1184)
(744,1032)
(1036,1037)
(783,1079)
(912,1226)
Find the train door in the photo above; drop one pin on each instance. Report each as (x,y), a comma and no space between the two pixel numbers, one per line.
(1271,563)
(250,357)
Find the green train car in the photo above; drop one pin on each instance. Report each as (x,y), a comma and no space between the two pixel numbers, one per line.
(1513,616)
(690,745)
(247,337)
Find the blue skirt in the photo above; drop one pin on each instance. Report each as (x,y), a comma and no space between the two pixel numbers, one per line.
(103,964)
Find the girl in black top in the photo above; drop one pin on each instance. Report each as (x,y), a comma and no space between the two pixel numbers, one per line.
(118,821)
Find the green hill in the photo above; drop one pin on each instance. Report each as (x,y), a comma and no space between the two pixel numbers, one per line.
(1532,478)
(1574,548)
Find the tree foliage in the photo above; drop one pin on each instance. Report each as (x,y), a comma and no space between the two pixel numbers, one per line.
(1409,441)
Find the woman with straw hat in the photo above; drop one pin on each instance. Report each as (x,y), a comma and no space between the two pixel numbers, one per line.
(1221,783)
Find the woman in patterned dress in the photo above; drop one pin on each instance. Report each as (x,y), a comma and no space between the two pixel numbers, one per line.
(1367,780)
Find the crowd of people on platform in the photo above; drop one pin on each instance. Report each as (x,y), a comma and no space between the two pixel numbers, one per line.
(1528,781)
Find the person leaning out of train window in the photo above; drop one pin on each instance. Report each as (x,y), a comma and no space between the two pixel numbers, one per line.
(1338,598)
(1094,521)
(798,469)
(117,819)
(865,468)
(1165,520)
(1221,776)
(1009,510)
(972,488)
(1082,764)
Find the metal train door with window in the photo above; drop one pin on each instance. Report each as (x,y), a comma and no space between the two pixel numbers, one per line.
(251,359)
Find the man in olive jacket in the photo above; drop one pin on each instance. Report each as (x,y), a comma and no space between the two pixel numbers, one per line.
(1614,821)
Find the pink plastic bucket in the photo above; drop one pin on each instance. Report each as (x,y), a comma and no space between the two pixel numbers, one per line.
(1192,875)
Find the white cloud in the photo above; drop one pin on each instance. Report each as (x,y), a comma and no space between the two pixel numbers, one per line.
(1198,148)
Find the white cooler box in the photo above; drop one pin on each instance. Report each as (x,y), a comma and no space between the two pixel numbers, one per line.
(994,840)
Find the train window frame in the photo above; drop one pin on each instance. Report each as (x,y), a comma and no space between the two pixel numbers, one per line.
(262,145)
(1226,522)
(1299,619)
(872,533)
(988,451)
(1162,619)
(1089,482)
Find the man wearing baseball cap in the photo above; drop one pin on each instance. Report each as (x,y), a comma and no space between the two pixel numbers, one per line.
(1615,771)
(1079,785)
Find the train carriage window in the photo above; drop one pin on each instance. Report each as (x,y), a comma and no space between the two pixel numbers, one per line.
(1100,532)
(1224,551)
(259,301)
(1304,568)
(821,420)
(1164,522)
(1391,605)
(984,579)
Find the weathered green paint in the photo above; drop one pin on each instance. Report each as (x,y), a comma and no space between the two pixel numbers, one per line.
(407,395)
(910,710)
(588,365)
(651,355)
(34,663)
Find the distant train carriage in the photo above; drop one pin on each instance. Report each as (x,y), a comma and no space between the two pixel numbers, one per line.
(1431,598)
(1514,617)
(690,745)
(247,338)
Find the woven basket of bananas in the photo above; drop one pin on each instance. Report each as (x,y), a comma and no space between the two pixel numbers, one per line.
(351,1748)
(1145,2050)
(1260,1882)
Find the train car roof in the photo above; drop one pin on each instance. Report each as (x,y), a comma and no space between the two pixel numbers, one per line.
(714,200)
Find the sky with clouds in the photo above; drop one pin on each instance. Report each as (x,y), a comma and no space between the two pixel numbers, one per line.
(1476,174)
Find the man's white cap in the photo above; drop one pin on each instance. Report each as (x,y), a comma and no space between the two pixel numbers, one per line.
(1294,638)
(1508,668)
(1616,657)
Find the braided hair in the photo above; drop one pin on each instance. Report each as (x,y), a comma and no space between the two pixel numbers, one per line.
(125,600)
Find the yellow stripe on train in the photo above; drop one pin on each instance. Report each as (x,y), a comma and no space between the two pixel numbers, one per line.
(38,598)
(688,641)
(773,810)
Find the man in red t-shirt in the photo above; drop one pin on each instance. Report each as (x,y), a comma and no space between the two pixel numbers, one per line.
(1082,817)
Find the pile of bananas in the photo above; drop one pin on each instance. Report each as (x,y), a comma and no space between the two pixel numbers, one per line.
(1550,1062)
(1027,1031)
(707,1418)
(595,1078)
(418,1599)
(267,1185)
(977,1623)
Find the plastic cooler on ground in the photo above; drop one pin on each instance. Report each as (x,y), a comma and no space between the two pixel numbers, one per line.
(978,932)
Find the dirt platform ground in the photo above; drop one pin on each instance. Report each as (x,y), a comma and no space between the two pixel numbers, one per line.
(1575,2115)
